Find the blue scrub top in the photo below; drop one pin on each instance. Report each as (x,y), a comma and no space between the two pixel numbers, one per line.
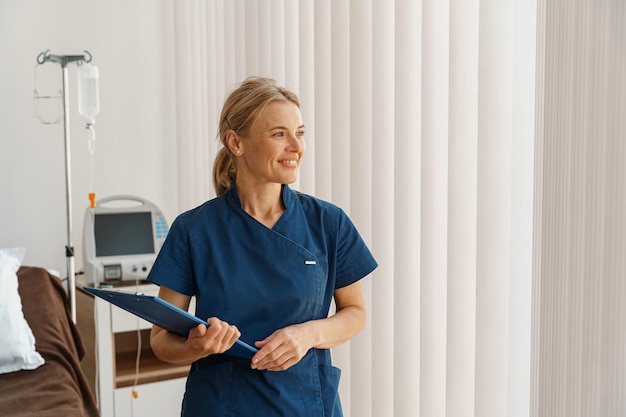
(262,280)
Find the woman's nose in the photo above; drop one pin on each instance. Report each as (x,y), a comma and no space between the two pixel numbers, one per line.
(296,143)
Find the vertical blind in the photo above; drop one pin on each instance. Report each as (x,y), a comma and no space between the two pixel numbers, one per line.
(579,279)
(419,120)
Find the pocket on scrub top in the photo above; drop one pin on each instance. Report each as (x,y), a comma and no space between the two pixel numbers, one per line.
(329,379)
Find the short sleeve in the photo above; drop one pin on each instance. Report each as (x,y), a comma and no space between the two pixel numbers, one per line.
(354,259)
(173,267)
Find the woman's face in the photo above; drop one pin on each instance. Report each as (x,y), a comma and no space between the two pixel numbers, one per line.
(272,150)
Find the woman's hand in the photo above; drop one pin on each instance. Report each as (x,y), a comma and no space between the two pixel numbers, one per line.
(283,348)
(286,347)
(217,338)
(201,341)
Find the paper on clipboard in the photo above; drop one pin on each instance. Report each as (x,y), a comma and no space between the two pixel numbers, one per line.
(163,314)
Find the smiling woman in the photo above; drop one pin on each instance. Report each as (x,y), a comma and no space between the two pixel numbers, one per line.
(268,260)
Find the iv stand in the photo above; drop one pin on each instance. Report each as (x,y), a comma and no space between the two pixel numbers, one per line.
(64,60)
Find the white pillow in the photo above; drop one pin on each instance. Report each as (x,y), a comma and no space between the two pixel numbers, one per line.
(17,349)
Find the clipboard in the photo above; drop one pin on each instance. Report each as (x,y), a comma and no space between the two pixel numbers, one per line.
(164,314)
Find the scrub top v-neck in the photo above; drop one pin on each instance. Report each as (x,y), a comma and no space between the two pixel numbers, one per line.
(261,280)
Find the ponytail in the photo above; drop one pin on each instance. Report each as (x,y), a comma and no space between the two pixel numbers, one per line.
(224,170)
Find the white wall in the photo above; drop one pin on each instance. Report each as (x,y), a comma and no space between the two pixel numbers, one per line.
(132,45)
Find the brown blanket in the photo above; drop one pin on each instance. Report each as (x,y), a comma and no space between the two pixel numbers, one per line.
(59,387)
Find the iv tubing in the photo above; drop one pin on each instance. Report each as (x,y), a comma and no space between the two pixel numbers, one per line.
(91,142)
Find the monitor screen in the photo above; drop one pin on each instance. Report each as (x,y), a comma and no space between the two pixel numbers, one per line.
(123,234)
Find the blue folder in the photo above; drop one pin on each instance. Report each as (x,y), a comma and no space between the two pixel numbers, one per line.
(165,315)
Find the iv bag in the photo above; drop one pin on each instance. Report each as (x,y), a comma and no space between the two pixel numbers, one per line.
(88,95)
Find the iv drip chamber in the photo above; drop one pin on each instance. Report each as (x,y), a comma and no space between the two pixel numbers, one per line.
(88,95)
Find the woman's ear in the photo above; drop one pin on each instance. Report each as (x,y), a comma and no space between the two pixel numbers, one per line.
(234,142)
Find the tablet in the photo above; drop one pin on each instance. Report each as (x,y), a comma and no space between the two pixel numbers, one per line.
(164,314)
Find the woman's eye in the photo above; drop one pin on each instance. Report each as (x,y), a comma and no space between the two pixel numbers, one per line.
(298,134)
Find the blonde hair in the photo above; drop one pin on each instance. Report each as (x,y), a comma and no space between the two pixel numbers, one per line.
(241,108)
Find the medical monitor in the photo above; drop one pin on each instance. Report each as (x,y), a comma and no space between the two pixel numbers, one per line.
(121,237)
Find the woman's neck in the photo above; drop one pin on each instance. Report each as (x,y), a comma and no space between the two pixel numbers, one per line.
(264,203)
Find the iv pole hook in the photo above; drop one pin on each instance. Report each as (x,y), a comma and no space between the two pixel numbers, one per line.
(63,60)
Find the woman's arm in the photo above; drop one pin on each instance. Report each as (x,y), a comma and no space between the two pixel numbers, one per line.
(202,341)
(285,347)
